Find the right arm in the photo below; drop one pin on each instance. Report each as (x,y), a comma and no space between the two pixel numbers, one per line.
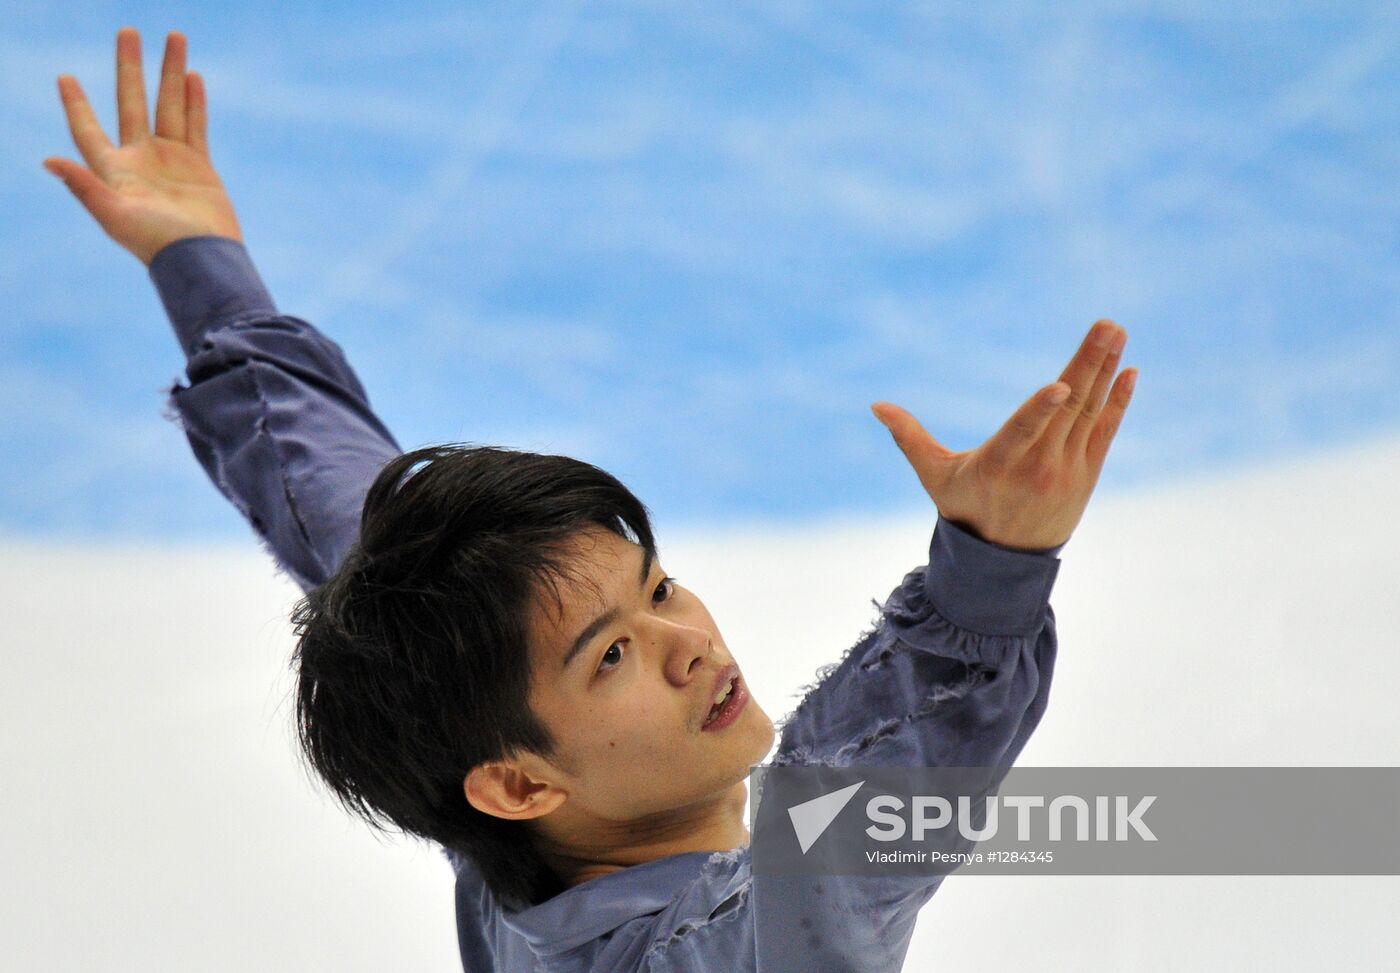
(272,411)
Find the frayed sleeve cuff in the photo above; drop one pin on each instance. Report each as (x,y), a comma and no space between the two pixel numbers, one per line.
(204,281)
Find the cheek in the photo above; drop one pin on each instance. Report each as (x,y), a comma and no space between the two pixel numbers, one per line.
(631,727)
(619,750)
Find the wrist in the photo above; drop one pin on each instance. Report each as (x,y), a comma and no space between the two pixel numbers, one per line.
(205,281)
(147,253)
(986,588)
(1020,541)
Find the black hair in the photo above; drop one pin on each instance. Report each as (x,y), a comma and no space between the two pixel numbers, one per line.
(411,661)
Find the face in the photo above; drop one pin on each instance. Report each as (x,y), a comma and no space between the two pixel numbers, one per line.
(625,678)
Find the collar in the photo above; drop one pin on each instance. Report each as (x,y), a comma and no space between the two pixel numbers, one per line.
(585,912)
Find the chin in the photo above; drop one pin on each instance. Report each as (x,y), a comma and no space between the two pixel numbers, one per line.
(764,735)
(769,739)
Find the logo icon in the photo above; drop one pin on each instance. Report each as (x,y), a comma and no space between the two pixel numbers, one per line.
(811,818)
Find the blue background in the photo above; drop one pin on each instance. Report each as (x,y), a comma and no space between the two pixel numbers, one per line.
(691,244)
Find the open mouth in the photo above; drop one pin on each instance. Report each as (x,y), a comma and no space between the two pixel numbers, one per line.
(728,702)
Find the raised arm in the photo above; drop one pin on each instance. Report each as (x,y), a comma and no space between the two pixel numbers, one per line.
(979,612)
(958,672)
(272,411)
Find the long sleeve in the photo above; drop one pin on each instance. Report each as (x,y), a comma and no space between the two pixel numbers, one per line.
(273,411)
(956,673)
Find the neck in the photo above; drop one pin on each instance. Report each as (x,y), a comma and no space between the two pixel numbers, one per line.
(579,847)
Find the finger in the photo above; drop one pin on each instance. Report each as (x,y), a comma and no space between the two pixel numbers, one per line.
(170,102)
(1103,432)
(923,452)
(1079,376)
(86,130)
(96,196)
(1025,427)
(908,432)
(132,123)
(196,113)
(1094,403)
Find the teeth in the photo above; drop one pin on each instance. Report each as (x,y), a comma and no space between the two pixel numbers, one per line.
(720,697)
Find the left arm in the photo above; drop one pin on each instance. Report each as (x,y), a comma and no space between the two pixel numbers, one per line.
(957,673)
(1028,485)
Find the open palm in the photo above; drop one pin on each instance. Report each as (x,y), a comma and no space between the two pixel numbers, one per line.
(153,188)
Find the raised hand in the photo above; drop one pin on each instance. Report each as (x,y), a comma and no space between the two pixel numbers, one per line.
(152,189)
(1028,485)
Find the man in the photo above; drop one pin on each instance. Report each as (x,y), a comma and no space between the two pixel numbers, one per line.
(490,655)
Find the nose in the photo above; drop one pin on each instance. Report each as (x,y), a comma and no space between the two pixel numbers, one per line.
(685,648)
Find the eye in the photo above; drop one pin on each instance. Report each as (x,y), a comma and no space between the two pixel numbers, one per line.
(669,584)
(615,651)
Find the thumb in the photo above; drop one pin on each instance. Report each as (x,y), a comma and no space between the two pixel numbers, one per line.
(924,453)
(95,195)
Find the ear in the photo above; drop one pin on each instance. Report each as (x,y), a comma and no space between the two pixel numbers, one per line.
(505,790)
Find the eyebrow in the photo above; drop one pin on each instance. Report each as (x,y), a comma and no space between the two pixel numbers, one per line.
(607,618)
